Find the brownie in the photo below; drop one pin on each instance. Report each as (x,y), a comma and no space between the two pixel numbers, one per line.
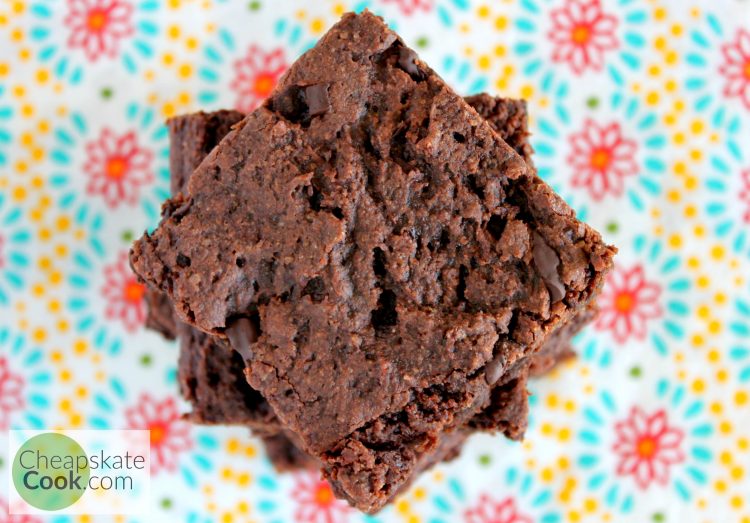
(509,118)
(557,348)
(213,381)
(377,253)
(204,131)
(285,455)
(160,313)
(211,376)
(507,412)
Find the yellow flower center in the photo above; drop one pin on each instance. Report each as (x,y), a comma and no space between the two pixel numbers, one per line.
(134,292)
(116,168)
(646,447)
(580,34)
(624,302)
(263,84)
(600,159)
(97,20)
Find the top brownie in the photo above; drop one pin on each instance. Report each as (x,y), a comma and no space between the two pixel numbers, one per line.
(212,378)
(377,252)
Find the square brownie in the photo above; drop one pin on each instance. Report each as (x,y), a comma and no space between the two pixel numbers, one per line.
(377,253)
(192,137)
(212,379)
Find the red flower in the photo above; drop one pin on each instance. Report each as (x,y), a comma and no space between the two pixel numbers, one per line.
(170,434)
(581,34)
(256,75)
(647,446)
(316,502)
(488,510)
(97,26)
(736,67)
(744,193)
(11,393)
(409,7)
(124,294)
(601,158)
(627,302)
(117,166)
(5,517)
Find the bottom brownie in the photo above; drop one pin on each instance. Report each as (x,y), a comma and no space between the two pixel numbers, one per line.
(211,378)
(286,456)
(557,348)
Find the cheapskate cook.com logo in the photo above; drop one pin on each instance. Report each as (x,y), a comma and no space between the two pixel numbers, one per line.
(79,472)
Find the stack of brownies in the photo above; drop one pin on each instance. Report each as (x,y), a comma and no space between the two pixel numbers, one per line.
(366,269)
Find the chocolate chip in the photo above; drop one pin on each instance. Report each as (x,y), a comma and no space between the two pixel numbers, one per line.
(546,261)
(316,97)
(493,371)
(182,261)
(290,103)
(407,61)
(300,103)
(242,333)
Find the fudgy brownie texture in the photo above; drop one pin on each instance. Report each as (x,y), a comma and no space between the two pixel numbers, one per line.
(557,348)
(395,255)
(213,380)
(192,137)
(509,118)
(286,456)
(211,375)
(508,409)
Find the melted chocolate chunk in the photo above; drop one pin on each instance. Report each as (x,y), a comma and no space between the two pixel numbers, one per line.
(407,61)
(242,333)
(493,371)
(316,97)
(300,103)
(546,261)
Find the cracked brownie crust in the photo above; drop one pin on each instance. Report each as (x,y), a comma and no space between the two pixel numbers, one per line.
(401,256)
